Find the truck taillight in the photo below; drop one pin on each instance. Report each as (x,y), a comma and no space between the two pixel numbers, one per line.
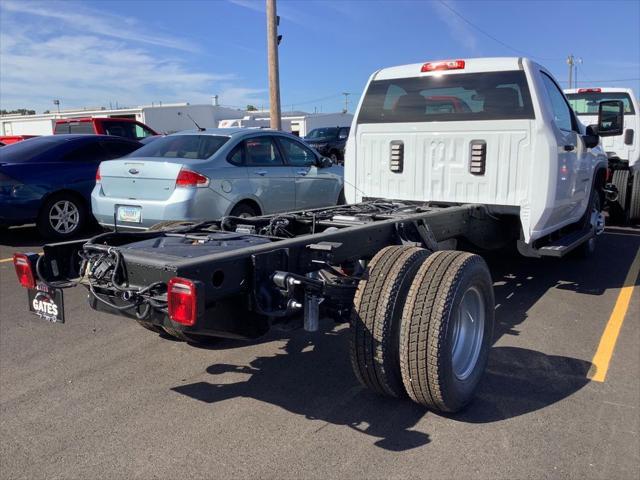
(98,176)
(22,263)
(182,299)
(443,65)
(589,90)
(189,178)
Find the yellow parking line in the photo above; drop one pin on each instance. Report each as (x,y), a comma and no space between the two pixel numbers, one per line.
(600,362)
(6,260)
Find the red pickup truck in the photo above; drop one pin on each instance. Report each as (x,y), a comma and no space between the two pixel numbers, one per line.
(119,127)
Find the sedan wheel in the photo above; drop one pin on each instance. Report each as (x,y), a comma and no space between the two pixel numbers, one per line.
(64,217)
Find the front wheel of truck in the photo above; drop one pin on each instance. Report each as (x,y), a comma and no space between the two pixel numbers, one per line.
(447,330)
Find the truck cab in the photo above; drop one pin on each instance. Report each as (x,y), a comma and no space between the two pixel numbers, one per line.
(119,127)
(508,139)
(623,151)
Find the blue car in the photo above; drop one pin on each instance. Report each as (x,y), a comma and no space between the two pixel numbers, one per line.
(48,180)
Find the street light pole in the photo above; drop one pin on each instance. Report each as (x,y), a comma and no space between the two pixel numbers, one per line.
(346,101)
(570,63)
(274,76)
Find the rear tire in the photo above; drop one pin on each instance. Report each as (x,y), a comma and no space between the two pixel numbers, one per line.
(375,318)
(446,330)
(243,210)
(62,216)
(190,337)
(169,225)
(621,181)
(150,326)
(634,204)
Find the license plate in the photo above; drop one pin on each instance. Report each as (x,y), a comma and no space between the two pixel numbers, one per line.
(129,214)
(47,303)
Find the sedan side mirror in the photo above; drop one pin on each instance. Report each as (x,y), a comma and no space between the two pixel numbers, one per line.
(610,118)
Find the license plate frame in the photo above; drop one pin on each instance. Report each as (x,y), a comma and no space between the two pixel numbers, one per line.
(129,213)
(46,303)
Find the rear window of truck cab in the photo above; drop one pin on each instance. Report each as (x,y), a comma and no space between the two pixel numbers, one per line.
(74,127)
(587,103)
(442,98)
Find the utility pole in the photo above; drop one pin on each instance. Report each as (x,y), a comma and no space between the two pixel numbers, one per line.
(274,77)
(578,61)
(570,62)
(346,101)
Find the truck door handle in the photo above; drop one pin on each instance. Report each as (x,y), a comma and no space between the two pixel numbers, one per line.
(569,148)
(262,173)
(302,172)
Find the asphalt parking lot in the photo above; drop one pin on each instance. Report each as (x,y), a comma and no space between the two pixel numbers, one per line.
(100,397)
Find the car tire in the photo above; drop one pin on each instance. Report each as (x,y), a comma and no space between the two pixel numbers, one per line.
(620,213)
(375,318)
(588,248)
(169,225)
(451,295)
(634,204)
(192,338)
(62,216)
(150,326)
(243,210)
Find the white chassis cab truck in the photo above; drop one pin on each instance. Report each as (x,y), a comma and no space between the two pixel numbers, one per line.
(623,151)
(441,156)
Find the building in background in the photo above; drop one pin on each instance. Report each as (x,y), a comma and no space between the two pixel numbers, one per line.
(298,123)
(166,118)
(170,118)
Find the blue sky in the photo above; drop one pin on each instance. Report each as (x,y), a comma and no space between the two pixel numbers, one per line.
(96,53)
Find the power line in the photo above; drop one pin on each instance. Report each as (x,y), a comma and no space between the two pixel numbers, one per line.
(609,81)
(487,34)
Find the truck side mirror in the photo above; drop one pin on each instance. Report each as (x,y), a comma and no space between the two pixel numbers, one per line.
(610,118)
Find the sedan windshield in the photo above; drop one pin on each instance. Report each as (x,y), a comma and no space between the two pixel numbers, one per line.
(322,133)
(198,147)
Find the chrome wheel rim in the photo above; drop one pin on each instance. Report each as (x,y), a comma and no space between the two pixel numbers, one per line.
(64,217)
(468,333)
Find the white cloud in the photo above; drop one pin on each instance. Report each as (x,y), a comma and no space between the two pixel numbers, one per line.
(97,62)
(460,31)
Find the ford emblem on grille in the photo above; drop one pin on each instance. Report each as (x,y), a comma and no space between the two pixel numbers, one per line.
(134,171)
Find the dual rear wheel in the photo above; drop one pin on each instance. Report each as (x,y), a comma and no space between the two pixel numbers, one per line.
(422,326)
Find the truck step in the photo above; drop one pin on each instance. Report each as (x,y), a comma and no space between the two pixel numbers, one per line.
(564,245)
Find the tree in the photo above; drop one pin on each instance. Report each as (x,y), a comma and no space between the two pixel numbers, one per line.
(251,108)
(21,111)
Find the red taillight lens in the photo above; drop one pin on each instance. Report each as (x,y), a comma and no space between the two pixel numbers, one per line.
(182,298)
(98,176)
(189,178)
(443,65)
(23,270)
(589,90)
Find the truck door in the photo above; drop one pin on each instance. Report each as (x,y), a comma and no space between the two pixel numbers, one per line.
(573,169)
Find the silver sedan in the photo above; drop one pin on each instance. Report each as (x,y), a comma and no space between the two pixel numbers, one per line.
(205,175)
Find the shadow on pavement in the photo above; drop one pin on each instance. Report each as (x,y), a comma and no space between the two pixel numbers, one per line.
(312,374)
(312,377)
(28,236)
